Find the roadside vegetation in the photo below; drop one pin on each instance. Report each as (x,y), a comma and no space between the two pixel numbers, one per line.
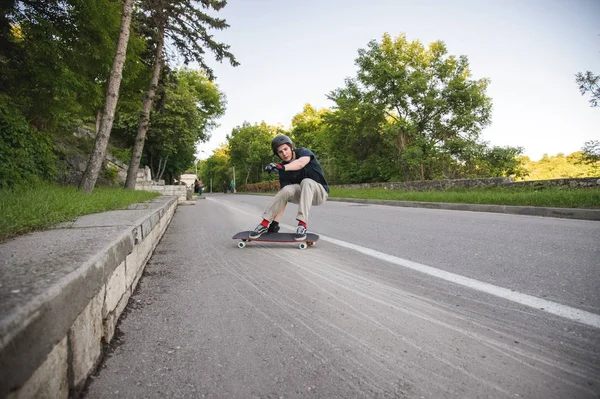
(546,196)
(412,112)
(103,67)
(559,197)
(27,209)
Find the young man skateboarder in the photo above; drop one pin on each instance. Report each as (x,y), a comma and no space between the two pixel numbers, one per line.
(302,182)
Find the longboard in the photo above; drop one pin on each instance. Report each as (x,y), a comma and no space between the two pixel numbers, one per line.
(244,237)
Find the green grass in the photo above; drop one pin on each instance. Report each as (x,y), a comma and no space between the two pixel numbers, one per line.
(560,197)
(23,210)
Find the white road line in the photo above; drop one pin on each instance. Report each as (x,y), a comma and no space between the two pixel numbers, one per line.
(578,315)
(568,312)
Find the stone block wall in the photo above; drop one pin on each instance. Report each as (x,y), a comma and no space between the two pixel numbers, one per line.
(426,185)
(144,182)
(439,185)
(179,191)
(573,183)
(43,357)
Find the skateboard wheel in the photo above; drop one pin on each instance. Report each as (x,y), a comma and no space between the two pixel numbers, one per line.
(310,244)
(302,245)
(241,244)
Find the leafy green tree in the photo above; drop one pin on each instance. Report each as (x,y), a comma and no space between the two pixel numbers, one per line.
(187,26)
(26,155)
(357,147)
(250,149)
(461,158)
(591,149)
(558,167)
(184,114)
(416,99)
(216,169)
(589,83)
(504,162)
(591,155)
(469,159)
(58,58)
(308,129)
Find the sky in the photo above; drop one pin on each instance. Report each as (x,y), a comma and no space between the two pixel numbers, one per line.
(296,52)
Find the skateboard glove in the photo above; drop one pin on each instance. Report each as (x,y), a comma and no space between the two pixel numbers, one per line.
(274,167)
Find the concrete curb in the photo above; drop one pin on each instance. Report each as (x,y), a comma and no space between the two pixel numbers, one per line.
(62,292)
(567,213)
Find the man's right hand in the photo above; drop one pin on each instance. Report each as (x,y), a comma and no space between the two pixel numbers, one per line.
(274,167)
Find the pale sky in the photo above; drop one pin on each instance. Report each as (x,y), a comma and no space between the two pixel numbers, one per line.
(295,52)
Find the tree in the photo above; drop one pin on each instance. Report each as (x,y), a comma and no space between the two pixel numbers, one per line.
(216,169)
(591,149)
(90,175)
(355,140)
(504,162)
(186,25)
(307,128)
(57,58)
(558,166)
(250,149)
(591,154)
(310,130)
(414,98)
(184,114)
(588,82)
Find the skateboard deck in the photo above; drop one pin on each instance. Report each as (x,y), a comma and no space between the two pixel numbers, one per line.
(244,237)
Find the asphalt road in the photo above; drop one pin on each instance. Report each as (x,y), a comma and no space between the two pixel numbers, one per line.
(391,302)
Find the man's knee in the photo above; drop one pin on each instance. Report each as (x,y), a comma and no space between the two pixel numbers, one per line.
(287,192)
(307,183)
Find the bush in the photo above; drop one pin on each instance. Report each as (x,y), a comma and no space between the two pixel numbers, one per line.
(110,173)
(265,186)
(122,154)
(26,155)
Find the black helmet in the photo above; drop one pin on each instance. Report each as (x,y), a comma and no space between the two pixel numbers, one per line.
(279,140)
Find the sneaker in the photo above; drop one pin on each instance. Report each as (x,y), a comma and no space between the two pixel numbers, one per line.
(273,229)
(258,231)
(300,233)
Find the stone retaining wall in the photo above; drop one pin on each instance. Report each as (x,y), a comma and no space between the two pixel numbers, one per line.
(472,183)
(574,183)
(54,322)
(179,191)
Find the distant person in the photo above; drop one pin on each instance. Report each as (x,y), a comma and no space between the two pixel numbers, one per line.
(302,182)
(196,186)
(225,187)
(232,187)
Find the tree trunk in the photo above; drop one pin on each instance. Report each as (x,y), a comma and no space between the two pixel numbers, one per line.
(156,175)
(164,166)
(98,119)
(159,172)
(140,138)
(88,181)
(152,169)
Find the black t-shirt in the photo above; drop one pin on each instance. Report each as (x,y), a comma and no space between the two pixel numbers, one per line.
(312,170)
